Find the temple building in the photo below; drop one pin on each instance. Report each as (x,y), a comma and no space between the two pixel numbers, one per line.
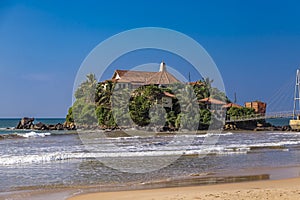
(135,79)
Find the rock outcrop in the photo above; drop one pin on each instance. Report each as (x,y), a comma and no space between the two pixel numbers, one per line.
(28,123)
(254,126)
(40,126)
(25,123)
(69,126)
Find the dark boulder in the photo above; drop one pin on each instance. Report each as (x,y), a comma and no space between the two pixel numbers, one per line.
(69,126)
(40,126)
(25,123)
(286,128)
(59,126)
(51,127)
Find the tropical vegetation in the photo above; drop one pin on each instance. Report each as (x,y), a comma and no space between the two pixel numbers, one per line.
(101,104)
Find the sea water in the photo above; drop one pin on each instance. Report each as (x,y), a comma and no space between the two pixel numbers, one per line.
(57,158)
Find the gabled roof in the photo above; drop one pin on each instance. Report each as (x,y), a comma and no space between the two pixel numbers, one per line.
(120,72)
(127,76)
(212,101)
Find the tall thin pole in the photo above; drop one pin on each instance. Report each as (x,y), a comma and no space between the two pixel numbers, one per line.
(235,100)
(296,93)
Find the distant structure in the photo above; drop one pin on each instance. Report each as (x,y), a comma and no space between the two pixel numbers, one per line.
(258,106)
(211,103)
(134,79)
(295,121)
(230,105)
(235,99)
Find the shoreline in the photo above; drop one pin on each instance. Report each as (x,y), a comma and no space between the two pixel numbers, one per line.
(270,189)
(199,182)
(236,173)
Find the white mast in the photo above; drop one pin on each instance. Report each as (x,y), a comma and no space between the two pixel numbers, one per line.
(296,93)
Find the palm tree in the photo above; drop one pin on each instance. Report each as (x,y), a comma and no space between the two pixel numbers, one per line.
(208,82)
(87,89)
(104,92)
(201,90)
(189,108)
(120,107)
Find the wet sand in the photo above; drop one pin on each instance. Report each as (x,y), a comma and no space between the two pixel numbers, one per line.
(271,189)
(236,185)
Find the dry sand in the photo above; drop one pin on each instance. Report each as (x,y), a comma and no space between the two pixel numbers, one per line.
(271,189)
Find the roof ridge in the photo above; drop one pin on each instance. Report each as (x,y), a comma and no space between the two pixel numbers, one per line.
(152,77)
(160,78)
(128,70)
(163,77)
(166,75)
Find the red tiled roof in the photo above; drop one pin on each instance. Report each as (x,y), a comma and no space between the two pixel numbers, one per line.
(212,101)
(132,76)
(144,77)
(229,105)
(169,94)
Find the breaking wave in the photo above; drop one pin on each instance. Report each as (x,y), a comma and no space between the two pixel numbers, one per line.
(201,150)
(33,134)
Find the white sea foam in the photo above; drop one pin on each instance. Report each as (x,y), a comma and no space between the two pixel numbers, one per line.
(53,157)
(25,159)
(169,136)
(33,134)
(8,128)
(133,149)
(61,156)
(219,134)
(247,147)
(281,143)
(285,133)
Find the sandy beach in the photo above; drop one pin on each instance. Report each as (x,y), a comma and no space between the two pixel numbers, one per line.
(271,189)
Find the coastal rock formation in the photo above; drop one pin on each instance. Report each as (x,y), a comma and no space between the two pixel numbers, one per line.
(28,123)
(59,126)
(69,126)
(230,127)
(254,126)
(25,123)
(40,126)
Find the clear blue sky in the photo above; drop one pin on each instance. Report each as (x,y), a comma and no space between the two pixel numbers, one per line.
(255,44)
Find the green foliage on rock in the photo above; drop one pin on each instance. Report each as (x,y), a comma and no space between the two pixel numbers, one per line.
(236,113)
(69,117)
(103,105)
(84,112)
(87,89)
(205,117)
(105,117)
(139,107)
(83,109)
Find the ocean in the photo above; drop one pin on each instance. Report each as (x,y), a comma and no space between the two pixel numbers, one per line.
(45,159)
